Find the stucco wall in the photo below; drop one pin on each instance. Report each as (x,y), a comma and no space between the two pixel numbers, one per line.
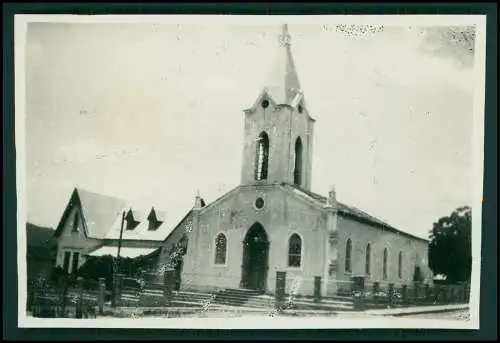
(282,215)
(184,228)
(361,234)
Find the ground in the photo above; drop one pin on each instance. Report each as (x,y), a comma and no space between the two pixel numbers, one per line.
(457,315)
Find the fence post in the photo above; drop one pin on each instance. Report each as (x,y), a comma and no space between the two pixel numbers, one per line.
(416,293)
(317,289)
(404,294)
(61,294)
(117,290)
(358,292)
(376,289)
(427,293)
(279,294)
(464,293)
(438,293)
(102,294)
(79,299)
(168,282)
(390,295)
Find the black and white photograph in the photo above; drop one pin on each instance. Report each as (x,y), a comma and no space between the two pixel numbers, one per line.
(249,171)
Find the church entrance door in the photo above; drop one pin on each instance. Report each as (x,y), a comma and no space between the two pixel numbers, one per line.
(255,258)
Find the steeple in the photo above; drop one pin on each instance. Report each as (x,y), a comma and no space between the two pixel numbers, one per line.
(278,136)
(283,84)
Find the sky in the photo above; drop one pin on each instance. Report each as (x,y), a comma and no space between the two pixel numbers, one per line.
(153,113)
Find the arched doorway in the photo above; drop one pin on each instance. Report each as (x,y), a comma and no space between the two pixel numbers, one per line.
(255,258)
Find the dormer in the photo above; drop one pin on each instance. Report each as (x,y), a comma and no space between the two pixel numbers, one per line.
(155,219)
(132,219)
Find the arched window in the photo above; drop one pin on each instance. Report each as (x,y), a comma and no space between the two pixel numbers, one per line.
(368,259)
(400,264)
(297,173)
(262,157)
(384,267)
(294,250)
(348,256)
(220,249)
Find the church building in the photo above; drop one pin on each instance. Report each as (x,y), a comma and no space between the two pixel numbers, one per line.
(273,222)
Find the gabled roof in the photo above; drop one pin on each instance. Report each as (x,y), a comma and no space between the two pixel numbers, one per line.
(351,211)
(142,231)
(99,212)
(102,218)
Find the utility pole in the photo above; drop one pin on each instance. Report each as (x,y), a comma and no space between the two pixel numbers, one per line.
(120,240)
(116,263)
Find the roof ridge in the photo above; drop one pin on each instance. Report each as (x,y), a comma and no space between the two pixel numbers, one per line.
(79,189)
(351,210)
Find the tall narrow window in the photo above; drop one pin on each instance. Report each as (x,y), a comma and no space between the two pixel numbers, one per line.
(74,264)
(384,267)
(400,264)
(220,249)
(294,250)
(67,256)
(262,157)
(368,259)
(348,256)
(297,173)
(76,220)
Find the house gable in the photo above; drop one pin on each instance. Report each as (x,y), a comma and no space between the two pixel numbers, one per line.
(72,218)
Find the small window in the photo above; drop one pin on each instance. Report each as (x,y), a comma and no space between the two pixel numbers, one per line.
(294,250)
(348,256)
(76,221)
(300,108)
(265,104)
(220,249)
(259,203)
(153,224)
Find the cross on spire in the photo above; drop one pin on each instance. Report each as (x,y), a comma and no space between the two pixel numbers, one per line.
(285,38)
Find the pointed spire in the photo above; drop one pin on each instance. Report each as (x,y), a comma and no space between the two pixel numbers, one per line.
(284,83)
(285,39)
(332,197)
(198,202)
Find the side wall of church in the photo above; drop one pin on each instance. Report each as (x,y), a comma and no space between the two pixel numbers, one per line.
(413,251)
(282,215)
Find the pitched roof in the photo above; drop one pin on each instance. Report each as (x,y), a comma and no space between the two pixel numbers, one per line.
(99,212)
(352,212)
(142,232)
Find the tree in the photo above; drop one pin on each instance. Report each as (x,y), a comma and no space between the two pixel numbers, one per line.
(450,246)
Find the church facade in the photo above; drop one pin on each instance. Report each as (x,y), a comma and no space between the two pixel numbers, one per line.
(273,222)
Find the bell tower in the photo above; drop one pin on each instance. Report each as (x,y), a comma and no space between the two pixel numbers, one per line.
(278,134)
